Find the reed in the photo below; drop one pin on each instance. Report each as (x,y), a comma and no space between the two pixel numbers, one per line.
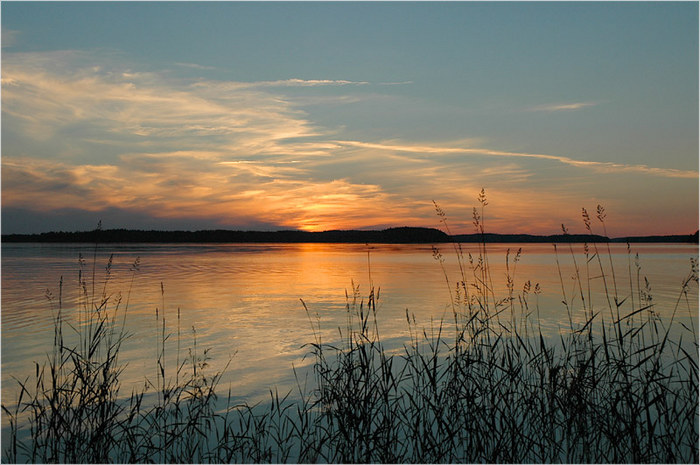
(619,384)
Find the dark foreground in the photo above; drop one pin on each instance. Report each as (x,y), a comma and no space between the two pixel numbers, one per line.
(620,385)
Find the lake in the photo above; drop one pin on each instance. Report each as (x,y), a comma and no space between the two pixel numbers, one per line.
(243,300)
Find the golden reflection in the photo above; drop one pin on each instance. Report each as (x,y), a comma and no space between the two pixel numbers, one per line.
(244,298)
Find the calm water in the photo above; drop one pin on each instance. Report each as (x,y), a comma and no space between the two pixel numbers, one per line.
(244,299)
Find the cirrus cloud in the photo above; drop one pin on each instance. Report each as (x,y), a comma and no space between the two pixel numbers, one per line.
(607,167)
(563,106)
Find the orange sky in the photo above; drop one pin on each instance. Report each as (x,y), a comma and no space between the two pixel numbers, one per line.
(180,134)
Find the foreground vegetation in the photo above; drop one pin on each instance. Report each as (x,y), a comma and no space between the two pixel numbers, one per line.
(620,384)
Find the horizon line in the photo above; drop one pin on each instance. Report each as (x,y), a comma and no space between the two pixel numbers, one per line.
(304,232)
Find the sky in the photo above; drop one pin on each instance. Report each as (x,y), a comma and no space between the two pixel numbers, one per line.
(320,116)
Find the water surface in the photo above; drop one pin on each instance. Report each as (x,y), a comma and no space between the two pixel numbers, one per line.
(244,300)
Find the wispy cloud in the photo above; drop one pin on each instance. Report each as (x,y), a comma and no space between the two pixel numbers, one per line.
(563,106)
(9,37)
(112,105)
(607,167)
(309,83)
(235,85)
(195,66)
(400,83)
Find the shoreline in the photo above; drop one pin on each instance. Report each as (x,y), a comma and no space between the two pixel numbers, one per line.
(402,235)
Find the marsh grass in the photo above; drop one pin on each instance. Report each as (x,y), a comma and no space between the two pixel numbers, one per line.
(618,383)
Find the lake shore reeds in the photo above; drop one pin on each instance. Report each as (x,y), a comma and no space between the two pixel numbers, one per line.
(619,384)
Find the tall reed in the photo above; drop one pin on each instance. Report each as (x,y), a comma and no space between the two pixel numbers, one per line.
(619,383)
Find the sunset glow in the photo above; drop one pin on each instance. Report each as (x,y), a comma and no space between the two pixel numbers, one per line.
(353,116)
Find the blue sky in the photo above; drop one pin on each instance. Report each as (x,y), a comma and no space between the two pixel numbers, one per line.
(349,115)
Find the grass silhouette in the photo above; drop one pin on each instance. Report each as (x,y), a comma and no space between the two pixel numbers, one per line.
(619,385)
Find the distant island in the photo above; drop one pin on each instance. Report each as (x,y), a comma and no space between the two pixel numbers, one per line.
(401,235)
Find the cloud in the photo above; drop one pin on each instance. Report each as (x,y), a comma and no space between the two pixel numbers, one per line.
(26,221)
(605,167)
(9,37)
(168,189)
(102,138)
(85,132)
(563,106)
(91,101)
(195,66)
(308,83)
(224,86)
